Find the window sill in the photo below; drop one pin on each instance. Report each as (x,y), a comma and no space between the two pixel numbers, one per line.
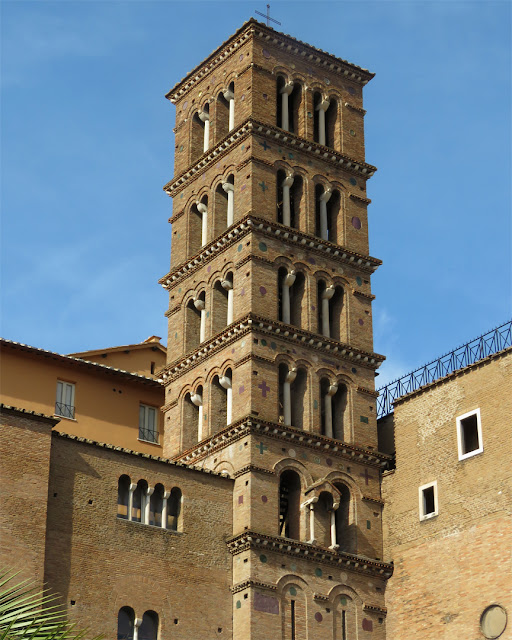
(471,454)
(156,444)
(153,527)
(429,516)
(56,415)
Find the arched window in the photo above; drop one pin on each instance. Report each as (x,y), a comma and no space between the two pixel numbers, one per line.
(174,510)
(289,99)
(123,493)
(294,619)
(340,413)
(225,112)
(149,628)
(139,501)
(291,292)
(327,391)
(345,526)
(193,418)
(204,119)
(292,396)
(325,113)
(198,225)
(196,138)
(331,116)
(224,205)
(324,511)
(289,504)
(327,207)
(156,506)
(221,117)
(337,326)
(290,199)
(344,618)
(324,296)
(125,623)
(195,322)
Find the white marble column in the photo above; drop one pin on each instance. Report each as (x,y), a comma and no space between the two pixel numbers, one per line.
(230,190)
(326,296)
(287,397)
(287,183)
(322,108)
(136,624)
(228,286)
(147,503)
(230,97)
(334,546)
(201,307)
(310,504)
(204,116)
(203,210)
(324,199)
(197,400)
(328,409)
(131,490)
(285,92)
(288,281)
(165,498)
(225,383)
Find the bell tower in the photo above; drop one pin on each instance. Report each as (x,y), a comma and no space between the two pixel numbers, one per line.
(270,371)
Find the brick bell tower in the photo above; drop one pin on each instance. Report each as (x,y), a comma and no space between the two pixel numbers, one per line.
(270,374)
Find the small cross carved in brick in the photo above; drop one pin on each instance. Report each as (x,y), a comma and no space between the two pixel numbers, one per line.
(261,447)
(265,145)
(264,388)
(366,476)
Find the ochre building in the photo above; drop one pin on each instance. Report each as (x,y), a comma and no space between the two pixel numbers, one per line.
(251,507)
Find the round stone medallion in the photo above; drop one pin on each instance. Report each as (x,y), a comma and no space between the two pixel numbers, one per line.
(493,621)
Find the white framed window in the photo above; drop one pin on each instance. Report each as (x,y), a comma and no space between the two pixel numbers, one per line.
(65,400)
(148,425)
(469,434)
(428,503)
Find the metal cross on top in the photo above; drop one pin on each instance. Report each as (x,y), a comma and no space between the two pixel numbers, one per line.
(267,16)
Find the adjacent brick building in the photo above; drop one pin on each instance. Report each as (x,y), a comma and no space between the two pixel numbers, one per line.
(254,510)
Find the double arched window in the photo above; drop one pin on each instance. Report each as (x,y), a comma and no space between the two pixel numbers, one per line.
(129,627)
(156,506)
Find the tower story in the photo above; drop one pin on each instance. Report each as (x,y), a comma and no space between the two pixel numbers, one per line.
(270,371)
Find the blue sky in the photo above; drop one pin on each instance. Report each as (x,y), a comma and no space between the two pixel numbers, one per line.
(87,145)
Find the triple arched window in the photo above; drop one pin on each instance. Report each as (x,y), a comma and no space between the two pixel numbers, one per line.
(130,627)
(213,121)
(156,506)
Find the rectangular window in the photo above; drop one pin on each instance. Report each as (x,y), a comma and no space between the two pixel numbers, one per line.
(428,500)
(469,434)
(65,401)
(148,423)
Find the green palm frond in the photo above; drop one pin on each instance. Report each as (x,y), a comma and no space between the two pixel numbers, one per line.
(27,613)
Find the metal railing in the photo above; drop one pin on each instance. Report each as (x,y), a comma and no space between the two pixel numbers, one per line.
(469,353)
(64,410)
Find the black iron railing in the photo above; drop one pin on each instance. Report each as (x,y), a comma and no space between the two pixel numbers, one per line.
(481,347)
(64,410)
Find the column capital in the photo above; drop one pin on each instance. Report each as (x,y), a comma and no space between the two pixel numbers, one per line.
(328,293)
(333,388)
(291,375)
(166,495)
(228,187)
(203,115)
(201,207)
(226,284)
(288,88)
(196,399)
(199,304)
(326,195)
(290,278)
(288,181)
(228,95)
(324,105)
(225,382)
